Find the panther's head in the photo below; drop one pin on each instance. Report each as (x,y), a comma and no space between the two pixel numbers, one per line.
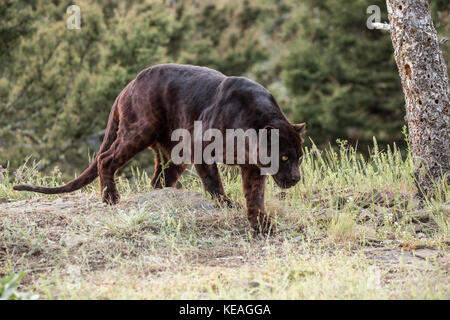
(290,155)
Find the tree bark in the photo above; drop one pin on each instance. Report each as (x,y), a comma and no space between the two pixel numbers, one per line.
(425,85)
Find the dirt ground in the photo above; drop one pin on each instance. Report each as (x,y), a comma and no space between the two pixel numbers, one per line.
(173,243)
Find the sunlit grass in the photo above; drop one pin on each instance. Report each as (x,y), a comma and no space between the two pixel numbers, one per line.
(162,248)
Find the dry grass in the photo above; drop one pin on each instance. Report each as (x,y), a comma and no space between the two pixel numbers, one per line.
(351,229)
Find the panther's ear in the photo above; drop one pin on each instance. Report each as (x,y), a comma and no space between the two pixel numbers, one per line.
(300,127)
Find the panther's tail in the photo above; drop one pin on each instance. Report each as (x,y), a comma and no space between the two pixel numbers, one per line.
(91,172)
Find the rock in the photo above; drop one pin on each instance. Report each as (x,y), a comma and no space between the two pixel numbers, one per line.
(418,228)
(204,205)
(421,218)
(426,253)
(366,232)
(179,197)
(325,215)
(392,256)
(421,235)
(413,203)
(369,214)
(231,258)
(72,241)
(379,215)
(365,215)
(3,200)
(371,241)
(376,197)
(257,284)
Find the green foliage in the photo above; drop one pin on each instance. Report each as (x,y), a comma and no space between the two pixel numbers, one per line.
(57,92)
(8,288)
(343,75)
(15,23)
(318,59)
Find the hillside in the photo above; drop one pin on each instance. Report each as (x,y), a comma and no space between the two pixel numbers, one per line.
(353,228)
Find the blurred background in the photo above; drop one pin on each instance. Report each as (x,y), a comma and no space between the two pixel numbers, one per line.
(318,58)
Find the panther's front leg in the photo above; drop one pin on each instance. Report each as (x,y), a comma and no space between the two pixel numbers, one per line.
(253,184)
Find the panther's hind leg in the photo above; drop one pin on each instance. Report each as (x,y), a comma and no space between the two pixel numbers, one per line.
(166,173)
(126,146)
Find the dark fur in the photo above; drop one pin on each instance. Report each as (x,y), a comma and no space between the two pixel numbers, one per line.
(166,97)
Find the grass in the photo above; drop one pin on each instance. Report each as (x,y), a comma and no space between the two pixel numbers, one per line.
(352,228)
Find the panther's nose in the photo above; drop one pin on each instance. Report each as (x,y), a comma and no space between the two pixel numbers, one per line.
(295,179)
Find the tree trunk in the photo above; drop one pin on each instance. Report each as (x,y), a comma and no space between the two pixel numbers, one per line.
(425,84)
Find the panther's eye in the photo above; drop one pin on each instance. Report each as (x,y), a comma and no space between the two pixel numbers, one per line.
(284,158)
